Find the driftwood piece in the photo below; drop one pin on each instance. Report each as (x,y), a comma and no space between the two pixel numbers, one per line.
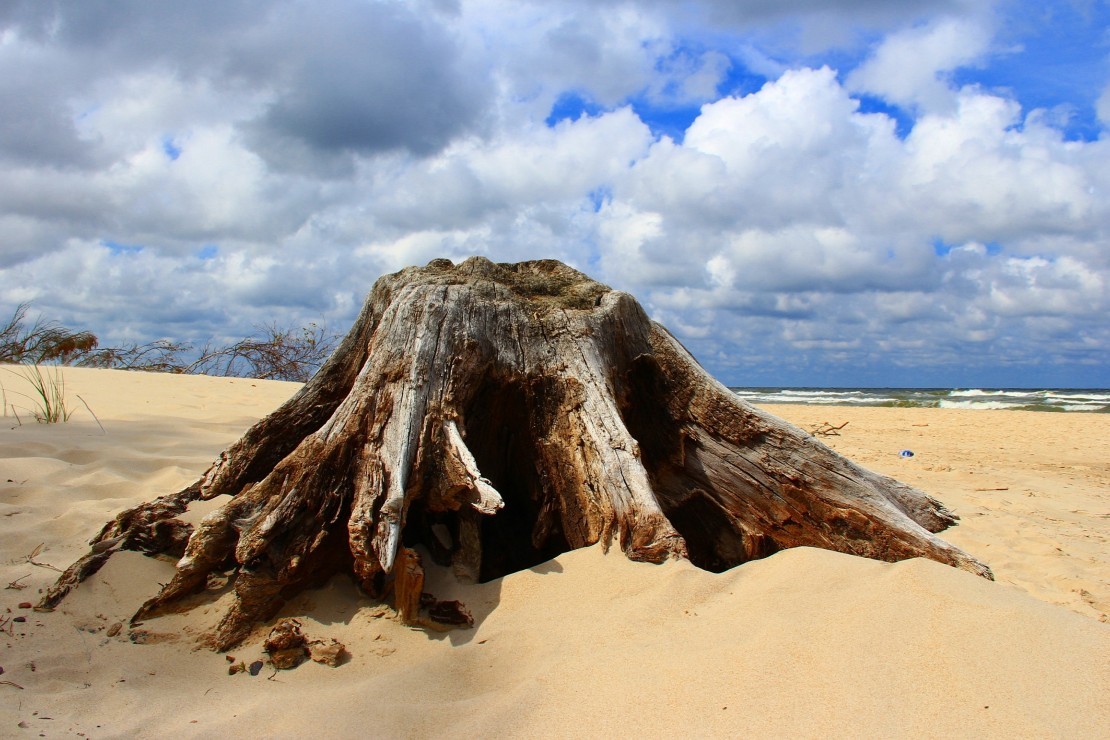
(499,415)
(825,429)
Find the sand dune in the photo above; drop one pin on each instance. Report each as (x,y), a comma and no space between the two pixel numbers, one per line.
(805,643)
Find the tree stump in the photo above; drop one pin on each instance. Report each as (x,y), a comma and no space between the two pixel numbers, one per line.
(499,415)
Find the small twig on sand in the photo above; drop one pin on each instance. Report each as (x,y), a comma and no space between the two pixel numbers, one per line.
(12,683)
(992,489)
(16,585)
(32,561)
(826,429)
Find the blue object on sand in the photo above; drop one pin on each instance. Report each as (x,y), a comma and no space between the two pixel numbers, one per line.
(905,453)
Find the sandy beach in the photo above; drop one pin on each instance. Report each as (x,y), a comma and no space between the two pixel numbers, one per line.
(804,643)
(1032,488)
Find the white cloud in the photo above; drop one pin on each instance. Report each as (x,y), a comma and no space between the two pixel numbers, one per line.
(793,210)
(539,51)
(476,179)
(977,176)
(909,67)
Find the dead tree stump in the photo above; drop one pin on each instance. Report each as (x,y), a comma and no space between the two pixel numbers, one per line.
(499,415)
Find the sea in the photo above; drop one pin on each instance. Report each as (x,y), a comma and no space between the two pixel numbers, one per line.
(1068,400)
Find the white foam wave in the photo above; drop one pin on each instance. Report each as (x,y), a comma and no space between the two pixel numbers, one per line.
(974,392)
(1094,398)
(982,405)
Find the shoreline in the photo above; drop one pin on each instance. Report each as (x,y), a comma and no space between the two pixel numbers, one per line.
(1068,400)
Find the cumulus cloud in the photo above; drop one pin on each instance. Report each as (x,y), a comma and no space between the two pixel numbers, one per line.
(909,67)
(343,76)
(544,50)
(795,210)
(540,165)
(191,171)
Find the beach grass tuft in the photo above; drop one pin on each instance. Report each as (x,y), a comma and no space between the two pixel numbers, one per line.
(48,398)
(50,394)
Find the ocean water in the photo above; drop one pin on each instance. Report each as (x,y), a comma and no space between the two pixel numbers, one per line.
(1055,399)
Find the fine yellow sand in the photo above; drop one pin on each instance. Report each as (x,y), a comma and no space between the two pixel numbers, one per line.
(1032,488)
(805,643)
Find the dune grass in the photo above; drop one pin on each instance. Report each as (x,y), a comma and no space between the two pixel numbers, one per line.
(48,400)
(49,394)
(48,397)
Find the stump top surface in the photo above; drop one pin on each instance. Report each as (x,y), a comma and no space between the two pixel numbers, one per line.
(549,283)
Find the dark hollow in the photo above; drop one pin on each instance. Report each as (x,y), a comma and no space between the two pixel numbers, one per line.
(685,494)
(505,421)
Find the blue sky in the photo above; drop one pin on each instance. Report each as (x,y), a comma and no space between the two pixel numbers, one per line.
(850,192)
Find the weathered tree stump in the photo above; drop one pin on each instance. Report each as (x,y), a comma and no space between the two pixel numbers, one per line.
(499,415)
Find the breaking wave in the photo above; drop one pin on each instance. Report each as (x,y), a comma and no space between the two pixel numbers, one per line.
(1022,399)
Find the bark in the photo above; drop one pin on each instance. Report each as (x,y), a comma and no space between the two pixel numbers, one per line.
(499,415)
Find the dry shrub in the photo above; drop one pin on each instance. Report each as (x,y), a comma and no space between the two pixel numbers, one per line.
(273,353)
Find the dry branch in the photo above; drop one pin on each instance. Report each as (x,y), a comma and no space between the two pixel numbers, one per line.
(825,429)
(16,585)
(34,553)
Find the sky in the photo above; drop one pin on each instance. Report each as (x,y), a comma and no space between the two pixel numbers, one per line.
(805,192)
